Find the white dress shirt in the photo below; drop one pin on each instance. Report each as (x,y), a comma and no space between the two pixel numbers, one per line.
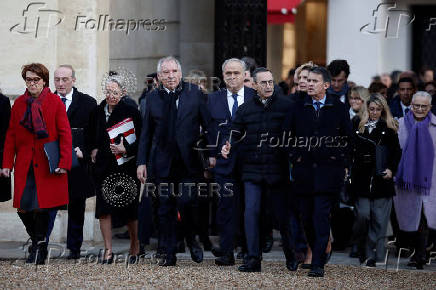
(230,99)
(69,98)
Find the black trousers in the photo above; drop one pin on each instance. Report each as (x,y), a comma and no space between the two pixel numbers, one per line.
(177,193)
(76,219)
(315,212)
(36,224)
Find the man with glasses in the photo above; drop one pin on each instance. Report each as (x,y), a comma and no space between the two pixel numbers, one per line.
(415,197)
(79,107)
(256,130)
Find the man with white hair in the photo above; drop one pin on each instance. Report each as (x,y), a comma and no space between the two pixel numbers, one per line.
(171,130)
(415,202)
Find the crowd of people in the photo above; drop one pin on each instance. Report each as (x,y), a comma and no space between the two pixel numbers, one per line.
(287,156)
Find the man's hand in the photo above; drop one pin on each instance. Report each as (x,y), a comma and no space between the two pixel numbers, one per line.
(79,152)
(60,171)
(141,173)
(118,148)
(93,155)
(388,174)
(225,151)
(6,172)
(212,162)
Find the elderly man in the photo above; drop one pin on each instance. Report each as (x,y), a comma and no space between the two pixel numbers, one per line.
(265,169)
(415,202)
(223,105)
(171,130)
(79,107)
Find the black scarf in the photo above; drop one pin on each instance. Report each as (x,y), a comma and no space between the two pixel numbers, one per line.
(168,136)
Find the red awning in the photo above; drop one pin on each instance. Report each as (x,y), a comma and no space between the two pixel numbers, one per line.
(280,11)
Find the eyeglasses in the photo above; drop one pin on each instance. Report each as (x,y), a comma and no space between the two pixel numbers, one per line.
(113,93)
(33,80)
(418,106)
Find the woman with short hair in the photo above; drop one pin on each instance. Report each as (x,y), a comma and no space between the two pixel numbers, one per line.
(38,117)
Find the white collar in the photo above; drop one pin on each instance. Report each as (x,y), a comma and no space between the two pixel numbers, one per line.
(68,96)
(404,106)
(240,92)
(168,91)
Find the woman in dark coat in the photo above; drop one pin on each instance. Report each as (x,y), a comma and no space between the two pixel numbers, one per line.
(38,117)
(5,114)
(372,183)
(117,127)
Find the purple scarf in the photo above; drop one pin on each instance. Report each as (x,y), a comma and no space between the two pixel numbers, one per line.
(416,165)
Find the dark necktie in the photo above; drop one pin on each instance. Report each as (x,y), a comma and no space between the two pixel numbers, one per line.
(235,105)
(317,106)
(64,100)
(406,111)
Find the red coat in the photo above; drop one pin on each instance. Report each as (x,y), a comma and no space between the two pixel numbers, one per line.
(23,147)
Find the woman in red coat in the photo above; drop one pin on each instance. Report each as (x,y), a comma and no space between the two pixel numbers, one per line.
(37,117)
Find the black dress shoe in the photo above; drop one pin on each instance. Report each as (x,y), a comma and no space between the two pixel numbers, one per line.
(306,266)
(370,263)
(41,253)
(217,252)
(169,261)
(269,241)
(225,260)
(292,265)
(252,265)
(196,252)
(316,272)
(73,255)
(109,260)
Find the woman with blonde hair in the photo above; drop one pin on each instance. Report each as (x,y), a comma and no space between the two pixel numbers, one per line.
(300,78)
(375,157)
(358,97)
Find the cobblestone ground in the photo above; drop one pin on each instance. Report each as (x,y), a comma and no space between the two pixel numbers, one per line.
(61,273)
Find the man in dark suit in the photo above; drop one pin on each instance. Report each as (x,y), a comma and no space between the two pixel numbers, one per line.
(339,71)
(256,134)
(320,128)
(79,107)
(400,105)
(223,105)
(171,129)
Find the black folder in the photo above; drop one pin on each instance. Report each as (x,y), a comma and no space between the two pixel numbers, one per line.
(51,150)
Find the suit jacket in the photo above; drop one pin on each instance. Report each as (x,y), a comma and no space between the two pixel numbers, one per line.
(80,184)
(192,113)
(220,127)
(396,109)
(319,148)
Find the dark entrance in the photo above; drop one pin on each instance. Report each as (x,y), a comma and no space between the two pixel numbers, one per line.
(240,30)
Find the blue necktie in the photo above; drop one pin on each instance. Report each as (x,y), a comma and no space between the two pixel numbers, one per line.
(64,100)
(406,111)
(235,105)
(317,106)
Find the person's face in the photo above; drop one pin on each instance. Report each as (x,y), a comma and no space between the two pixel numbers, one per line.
(428,76)
(264,84)
(386,80)
(420,107)
(316,86)
(430,88)
(234,76)
(63,80)
(355,102)
(34,83)
(406,91)
(170,75)
(302,81)
(113,94)
(375,111)
(248,80)
(339,81)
